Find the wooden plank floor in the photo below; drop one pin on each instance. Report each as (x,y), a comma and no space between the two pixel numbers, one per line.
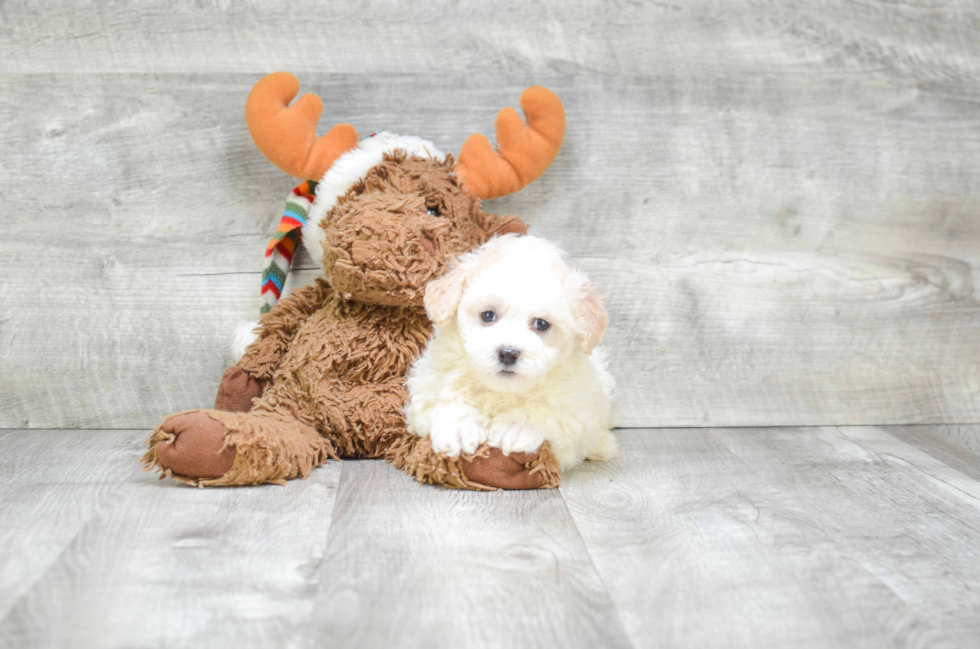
(766,537)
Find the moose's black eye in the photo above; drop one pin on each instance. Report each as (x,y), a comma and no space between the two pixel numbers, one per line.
(433,211)
(540,325)
(488,316)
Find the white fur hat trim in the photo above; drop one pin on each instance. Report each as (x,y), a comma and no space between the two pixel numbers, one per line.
(243,337)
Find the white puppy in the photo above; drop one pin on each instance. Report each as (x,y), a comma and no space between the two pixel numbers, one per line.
(513,361)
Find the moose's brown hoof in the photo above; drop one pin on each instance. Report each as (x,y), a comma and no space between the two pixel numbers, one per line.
(198,449)
(504,471)
(237,390)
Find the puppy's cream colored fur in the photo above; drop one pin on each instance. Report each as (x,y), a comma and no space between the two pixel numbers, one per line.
(465,391)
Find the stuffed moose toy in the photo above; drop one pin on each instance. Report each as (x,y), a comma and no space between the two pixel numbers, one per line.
(324,374)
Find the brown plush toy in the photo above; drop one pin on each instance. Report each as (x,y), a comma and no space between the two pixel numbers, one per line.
(324,377)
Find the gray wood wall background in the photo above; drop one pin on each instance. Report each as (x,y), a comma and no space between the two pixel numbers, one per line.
(781,200)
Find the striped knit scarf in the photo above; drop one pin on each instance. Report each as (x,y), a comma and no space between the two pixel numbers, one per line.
(279,252)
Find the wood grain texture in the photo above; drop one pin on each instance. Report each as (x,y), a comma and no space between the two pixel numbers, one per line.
(957,445)
(907,518)
(774,251)
(782,537)
(411,566)
(50,487)
(930,39)
(778,199)
(765,537)
(162,564)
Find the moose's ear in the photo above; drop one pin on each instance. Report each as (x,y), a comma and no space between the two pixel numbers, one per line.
(508,224)
(442,295)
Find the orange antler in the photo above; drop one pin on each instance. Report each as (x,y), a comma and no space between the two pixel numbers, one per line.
(524,151)
(287,134)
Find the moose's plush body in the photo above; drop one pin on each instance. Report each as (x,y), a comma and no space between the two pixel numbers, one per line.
(326,375)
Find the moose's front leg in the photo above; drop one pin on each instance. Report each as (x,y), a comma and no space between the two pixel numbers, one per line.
(453,450)
(212,448)
(517,456)
(237,390)
(247,380)
(535,470)
(278,327)
(487,469)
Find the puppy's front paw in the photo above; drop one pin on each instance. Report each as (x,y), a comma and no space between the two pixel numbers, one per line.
(456,430)
(513,435)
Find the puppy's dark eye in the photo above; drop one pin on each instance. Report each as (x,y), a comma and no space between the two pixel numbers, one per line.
(488,316)
(433,211)
(540,325)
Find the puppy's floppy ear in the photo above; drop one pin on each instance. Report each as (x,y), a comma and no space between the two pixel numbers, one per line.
(507,224)
(591,318)
(442,295)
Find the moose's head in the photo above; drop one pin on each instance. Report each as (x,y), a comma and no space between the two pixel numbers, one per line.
(390,211)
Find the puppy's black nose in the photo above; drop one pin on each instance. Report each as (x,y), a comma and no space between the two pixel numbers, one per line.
(508,356)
